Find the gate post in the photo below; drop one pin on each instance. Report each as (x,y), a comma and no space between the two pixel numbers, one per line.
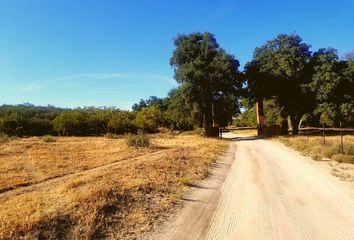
(260,117)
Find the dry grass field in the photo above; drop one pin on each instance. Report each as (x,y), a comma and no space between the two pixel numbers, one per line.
(96,188)
(317,148)
(30,160)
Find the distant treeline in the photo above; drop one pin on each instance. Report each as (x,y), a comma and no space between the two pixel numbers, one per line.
(149,115)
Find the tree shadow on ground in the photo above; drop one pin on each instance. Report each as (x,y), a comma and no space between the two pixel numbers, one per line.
(248,138)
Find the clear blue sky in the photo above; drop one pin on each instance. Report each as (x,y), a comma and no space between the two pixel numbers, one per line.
(72,53)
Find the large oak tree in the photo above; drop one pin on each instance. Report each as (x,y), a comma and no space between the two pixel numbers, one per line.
(281,70)
(209,74)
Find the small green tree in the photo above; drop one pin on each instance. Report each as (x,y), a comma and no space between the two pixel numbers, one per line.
(148,119)
(71,123)
(181,113)
(121,122)
(333,85)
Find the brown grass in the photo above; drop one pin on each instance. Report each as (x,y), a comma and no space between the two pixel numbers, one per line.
(313,146)
(29,160)
(120,202)
(246,132)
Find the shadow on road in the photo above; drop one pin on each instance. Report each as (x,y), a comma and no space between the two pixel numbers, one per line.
(248,138)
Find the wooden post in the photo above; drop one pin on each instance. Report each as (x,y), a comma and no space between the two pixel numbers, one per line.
(324,136)
(260,117)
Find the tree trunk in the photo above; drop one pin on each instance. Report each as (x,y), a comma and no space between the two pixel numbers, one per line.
(207,124)
(295,120)
(260,117)
(284,127)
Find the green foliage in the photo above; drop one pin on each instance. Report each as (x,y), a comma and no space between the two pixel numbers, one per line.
(247,118)
(333,85)
(148,119)
(48,138)
(97,120)
(137,140)
(71,123)
(209,75)
(186,181)
(280,70)
(27,120)
(160,103)
(121,122)
(181,113)
(272,113)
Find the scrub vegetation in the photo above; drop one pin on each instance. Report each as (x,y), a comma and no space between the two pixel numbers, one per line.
(94,187)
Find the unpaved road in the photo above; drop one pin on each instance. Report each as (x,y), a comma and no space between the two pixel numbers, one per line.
(265,191)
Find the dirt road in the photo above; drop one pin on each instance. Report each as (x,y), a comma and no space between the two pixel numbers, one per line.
(269,192)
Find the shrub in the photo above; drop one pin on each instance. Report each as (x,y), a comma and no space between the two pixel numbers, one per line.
(186,181)
(3,138)
(48,138)
(348,149)
(148,119)
(343,158)
(137,140)
(110,135)
(198,131)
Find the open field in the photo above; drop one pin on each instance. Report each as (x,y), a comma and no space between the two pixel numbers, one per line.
(30,160)
(99,188)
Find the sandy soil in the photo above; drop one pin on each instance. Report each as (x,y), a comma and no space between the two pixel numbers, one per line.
(270,192)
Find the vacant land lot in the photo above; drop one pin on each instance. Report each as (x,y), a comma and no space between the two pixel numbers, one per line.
(29,160)
(87,188)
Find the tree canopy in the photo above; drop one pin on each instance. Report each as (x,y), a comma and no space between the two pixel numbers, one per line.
(209,75)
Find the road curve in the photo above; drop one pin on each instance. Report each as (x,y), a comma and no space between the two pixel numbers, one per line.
(270,192)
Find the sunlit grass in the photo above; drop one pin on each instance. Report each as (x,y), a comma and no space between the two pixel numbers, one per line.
(318,148)
(120,202)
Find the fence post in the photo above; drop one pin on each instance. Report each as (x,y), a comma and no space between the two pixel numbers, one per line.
(324,137)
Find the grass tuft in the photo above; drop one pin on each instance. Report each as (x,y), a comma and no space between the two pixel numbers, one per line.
(48,138)
(137,140)
(3,137)
(186,181)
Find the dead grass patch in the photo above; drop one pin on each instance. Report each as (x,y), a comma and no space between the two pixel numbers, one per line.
(30,160)
(121,202)
(313,146)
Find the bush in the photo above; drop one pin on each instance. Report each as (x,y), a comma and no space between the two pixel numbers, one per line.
(186,181)
(48,138)
(137,140)
(348,149)
(3,138)
(110,136)
(148,119)
(343,158)
(198,131)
